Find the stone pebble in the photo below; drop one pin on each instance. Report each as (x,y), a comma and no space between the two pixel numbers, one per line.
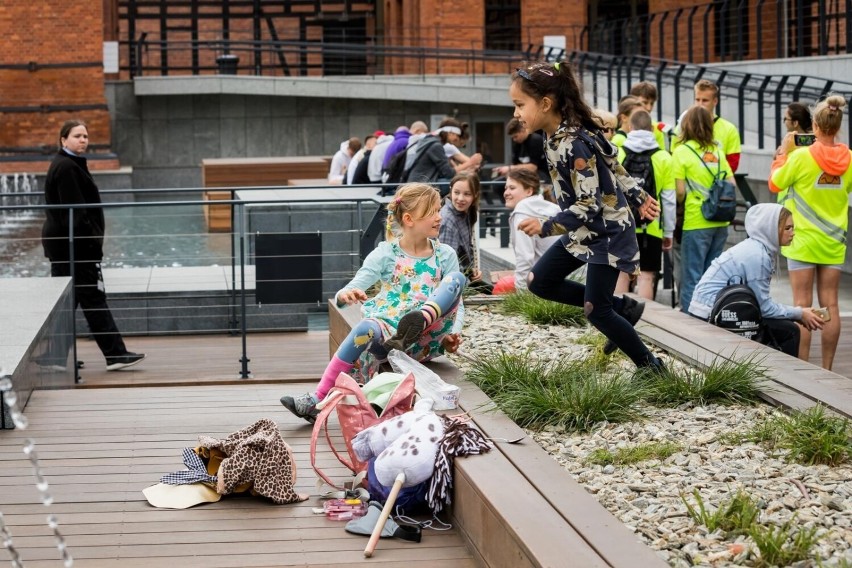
(648,497)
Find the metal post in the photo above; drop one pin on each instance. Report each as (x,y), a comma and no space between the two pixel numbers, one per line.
(780,8)
(675,25)
(690,33)
(131,35)
(823,29)
(800,28)
(758,11)
(244,360)
(660,70)
(741,104)
(798,88)
(232,325)
(77,379)
(707,27)
(719,82)
(662,35)
(778,93)
(760,92)
(681,68)
(258,60)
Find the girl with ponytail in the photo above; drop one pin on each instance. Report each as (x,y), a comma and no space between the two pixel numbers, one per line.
(594,224)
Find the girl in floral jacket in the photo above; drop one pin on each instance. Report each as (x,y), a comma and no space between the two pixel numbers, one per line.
(418,307)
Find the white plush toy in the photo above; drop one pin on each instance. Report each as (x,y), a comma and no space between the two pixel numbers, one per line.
(407,444)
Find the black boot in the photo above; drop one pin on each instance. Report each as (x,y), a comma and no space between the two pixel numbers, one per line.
(631,310)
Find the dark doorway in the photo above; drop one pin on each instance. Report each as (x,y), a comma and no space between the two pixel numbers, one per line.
(338,58)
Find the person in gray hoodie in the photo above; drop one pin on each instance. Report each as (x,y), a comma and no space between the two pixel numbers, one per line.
(769,226)
(522,195)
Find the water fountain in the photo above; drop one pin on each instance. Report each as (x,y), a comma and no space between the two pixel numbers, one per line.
(14,190)
(20,229)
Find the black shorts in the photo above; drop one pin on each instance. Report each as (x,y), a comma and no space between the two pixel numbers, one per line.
(650,252)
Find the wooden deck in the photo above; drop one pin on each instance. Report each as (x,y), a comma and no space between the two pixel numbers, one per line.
(100,447)
(211,359)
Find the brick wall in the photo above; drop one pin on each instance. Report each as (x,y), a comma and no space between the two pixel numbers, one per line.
(50,32)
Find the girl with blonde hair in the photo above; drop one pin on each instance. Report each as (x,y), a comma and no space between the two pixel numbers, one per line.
(418,307)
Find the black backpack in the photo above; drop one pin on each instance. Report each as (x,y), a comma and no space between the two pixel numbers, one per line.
(736,309)
(396,174)
(639,166)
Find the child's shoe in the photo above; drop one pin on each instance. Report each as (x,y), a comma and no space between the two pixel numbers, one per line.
(304,406)
(409,330)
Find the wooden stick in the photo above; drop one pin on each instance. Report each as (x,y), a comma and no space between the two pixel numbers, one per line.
(383,517)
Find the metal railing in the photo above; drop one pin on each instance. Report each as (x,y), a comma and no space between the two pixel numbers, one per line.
(316,58)
(187,297)
(754,103)
(728,30)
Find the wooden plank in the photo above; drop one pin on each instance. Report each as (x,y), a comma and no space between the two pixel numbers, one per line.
(525,526)
(799,384)
(100,460)
(204,359)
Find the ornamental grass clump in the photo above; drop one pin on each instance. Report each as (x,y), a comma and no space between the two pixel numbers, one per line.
(544,312)
(574,396)
(814,437)
(724,380)
(633,454)
(782,545)
(736,516)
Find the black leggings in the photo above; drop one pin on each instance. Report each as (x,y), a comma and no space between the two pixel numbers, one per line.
(601,308)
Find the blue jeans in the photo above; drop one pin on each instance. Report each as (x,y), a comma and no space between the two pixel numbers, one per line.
(699,248)
(595,297)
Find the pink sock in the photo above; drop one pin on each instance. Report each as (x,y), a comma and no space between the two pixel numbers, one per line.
(335,367)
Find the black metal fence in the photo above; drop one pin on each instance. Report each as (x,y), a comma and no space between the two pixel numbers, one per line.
(728,30)
(753,102)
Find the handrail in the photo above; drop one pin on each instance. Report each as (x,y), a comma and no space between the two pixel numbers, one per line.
(771,91)
(236,306)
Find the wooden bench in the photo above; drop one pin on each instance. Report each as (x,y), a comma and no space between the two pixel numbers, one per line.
(252,172)
(516,505)
(793,383)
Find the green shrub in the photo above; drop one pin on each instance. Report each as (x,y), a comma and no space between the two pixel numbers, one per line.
(540,311)
(737,516)
(815,437)
(633,454)
(564,394)
(723,380)
(784,545)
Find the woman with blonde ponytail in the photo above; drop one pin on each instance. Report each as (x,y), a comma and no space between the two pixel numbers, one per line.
(418,307)
(820,180)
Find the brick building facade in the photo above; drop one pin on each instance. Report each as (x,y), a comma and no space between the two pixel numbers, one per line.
(51,52)
(51,69)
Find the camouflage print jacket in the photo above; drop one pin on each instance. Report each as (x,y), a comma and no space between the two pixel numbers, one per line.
(592,190)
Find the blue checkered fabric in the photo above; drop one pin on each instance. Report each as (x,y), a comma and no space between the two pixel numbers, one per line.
(197,471)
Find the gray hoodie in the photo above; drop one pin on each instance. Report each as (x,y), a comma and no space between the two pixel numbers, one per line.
(753,260)
(529,249)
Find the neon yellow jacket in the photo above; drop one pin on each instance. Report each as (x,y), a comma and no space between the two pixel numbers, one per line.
(820,181)
(690,168)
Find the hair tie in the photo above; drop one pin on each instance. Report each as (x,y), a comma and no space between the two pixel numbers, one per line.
(397,200)
(832,107)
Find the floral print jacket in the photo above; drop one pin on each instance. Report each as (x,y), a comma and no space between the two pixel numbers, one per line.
(592,190)
(405,282)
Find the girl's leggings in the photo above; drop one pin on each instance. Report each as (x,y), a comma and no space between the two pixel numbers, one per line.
(596,299)
(367,334)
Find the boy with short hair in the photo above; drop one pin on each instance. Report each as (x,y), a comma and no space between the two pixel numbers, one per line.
(646,92)
(724,132)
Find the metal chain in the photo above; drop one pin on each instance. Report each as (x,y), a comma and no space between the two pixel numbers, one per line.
(10,398)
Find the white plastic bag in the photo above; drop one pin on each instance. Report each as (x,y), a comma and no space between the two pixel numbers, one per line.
(427,383)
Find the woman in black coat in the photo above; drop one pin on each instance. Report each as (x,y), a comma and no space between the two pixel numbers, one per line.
(69,182)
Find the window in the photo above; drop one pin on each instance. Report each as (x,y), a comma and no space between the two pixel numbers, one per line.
(731,37)
(503,24)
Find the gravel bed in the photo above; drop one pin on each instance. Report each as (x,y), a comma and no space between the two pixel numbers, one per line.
(646,497)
